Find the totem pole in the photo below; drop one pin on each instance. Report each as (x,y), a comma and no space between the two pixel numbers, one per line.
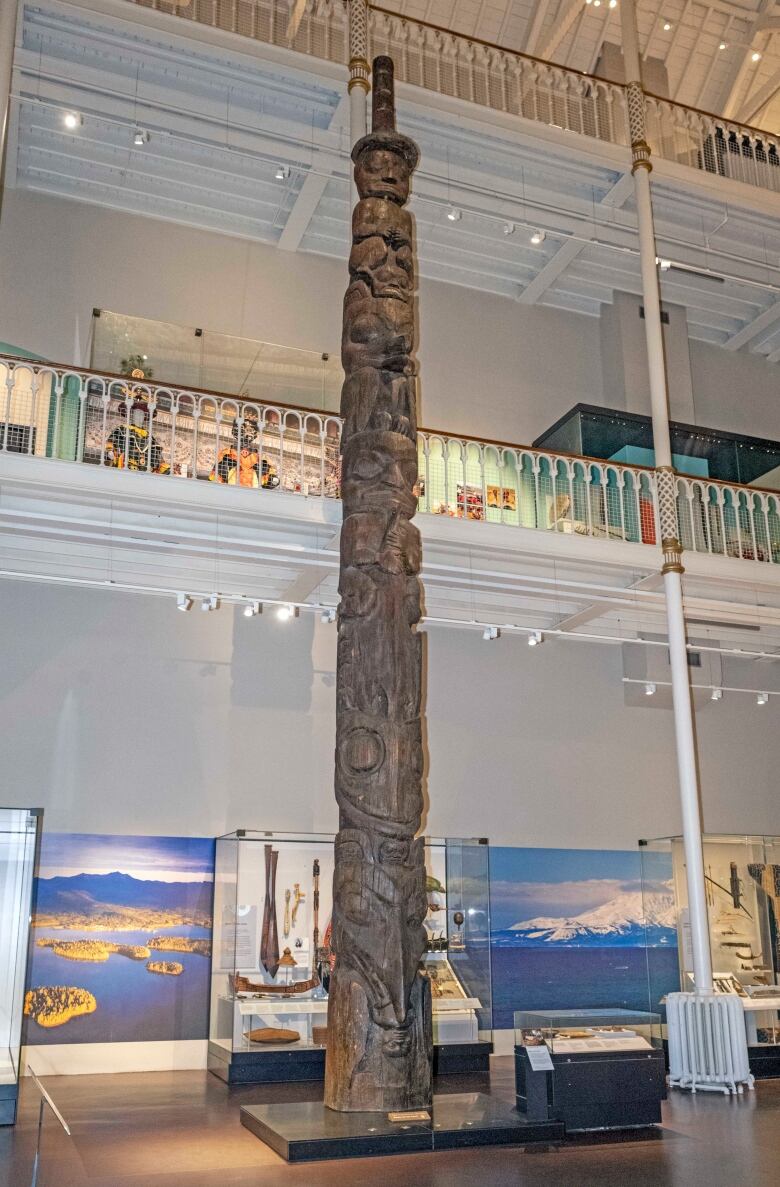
(379,1012)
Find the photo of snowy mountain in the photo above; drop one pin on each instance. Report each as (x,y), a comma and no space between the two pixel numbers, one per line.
(629,918)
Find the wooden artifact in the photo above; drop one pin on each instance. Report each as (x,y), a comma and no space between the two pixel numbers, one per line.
(272,1034)
(379,1045)
(269,937)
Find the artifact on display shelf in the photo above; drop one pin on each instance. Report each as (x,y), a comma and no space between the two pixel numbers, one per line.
(131,445)
(742,880)
(240,463)
(379,1049)
(269,943)
(248,1005)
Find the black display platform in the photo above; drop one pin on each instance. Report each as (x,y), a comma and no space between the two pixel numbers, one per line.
(307,1132)
(8,1094)
(764,1062)
(269,1066)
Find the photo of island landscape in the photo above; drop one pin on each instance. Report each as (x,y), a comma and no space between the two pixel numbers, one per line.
(577,928)
(121,939)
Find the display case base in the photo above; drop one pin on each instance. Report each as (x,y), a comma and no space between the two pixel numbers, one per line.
(8,1095)
(308,1132)
(764,1062)
(268,1066)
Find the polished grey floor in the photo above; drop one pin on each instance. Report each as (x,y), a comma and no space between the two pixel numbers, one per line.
(182,1128)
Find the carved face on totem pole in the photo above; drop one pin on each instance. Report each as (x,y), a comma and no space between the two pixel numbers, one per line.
(379,1042)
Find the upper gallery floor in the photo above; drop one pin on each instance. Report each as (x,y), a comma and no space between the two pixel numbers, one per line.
(232,115)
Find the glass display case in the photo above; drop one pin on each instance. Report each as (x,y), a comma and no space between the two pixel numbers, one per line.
(18,842)
(627,437)
(742,879)
(591,1069)
(272,956)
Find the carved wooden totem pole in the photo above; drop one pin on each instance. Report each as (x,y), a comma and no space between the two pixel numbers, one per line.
(379,1011)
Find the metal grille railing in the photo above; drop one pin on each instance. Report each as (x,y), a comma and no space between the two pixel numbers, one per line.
(489,75)
(112,422)
(92,418)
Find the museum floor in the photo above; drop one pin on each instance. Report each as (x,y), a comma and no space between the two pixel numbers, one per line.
(182,1128)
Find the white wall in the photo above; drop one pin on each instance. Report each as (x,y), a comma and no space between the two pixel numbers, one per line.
(121,715)
(488,366)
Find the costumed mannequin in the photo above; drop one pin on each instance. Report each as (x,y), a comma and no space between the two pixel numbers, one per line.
(240,463)
(131,445)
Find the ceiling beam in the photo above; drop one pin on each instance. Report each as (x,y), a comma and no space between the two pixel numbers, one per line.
(535,27)
(742,61)
(754,327)
(571,248)
(752,107)
(314,186)
(561,28)
(596,610)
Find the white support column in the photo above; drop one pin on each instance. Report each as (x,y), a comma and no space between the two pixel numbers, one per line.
(667,507)
(359,69)
(8,13)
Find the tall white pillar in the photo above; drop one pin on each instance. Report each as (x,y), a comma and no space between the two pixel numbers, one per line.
(8,13)
(359,69)
(667,509)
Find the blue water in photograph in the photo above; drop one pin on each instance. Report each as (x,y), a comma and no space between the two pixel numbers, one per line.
(579,928)
(106,908)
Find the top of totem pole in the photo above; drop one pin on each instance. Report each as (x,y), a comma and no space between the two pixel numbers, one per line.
(383,137)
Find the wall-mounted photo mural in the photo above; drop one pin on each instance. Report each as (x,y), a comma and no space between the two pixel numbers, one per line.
(121,939)
(572,928)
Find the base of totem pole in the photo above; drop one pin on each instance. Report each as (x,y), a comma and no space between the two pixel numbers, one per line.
(308,1132)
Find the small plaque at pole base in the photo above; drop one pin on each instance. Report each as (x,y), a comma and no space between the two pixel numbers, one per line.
(412,1115)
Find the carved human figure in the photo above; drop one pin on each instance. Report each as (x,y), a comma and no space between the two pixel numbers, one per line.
(379,1022)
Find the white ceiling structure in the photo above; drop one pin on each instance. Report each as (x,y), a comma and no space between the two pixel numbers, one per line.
(222,114)
(685,35)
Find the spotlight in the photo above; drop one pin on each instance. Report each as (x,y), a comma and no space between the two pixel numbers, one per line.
(539,236)
(72,120)
(649,689)
(253,608)
(716,694)
(491,632)
(597,3)
(282,173)
(723,45)
(211,603)
(508,228)
(453,214)
(140,137)
(664,265)
(535,639)
(762,698)
(755,56)
(285,613)
(183,601)
(667,26)
(613,3)
(328,615)
(588,1)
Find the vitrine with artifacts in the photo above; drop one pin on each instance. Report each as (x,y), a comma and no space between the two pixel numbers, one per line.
(742,880)
(272,958)
(591,1069)
(18,841)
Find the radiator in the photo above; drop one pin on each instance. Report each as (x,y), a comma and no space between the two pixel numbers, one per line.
(707,1042)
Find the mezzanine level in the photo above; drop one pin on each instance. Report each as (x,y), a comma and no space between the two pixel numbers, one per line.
(525,540)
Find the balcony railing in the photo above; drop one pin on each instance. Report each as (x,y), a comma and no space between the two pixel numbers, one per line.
(467,68)
(96,419)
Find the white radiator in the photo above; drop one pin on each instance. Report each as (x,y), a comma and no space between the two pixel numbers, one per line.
(707,1042)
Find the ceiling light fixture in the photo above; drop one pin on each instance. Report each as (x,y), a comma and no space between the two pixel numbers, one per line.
(453,214)
(535,639)
(491,632)
(539,236)
(762,698)
(141,137)
(282,172)
(285,613)
(328,615)
(508,228)
(597,3)
(664,265)
(667,26)
(716,694)
(755,56)
(183,601)
(253,608)
(613,3)
(72,120)
(211,603)
(723,45)
(649,689)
